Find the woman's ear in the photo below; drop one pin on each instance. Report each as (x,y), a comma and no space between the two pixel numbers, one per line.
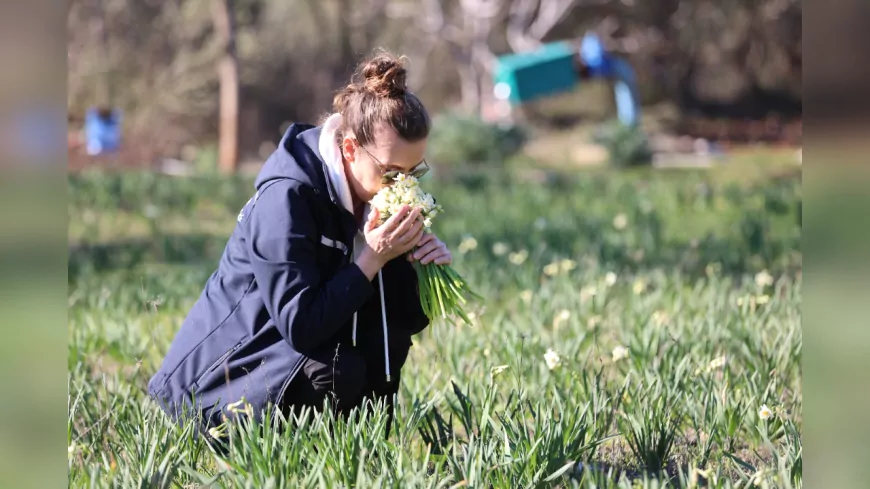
(348,149)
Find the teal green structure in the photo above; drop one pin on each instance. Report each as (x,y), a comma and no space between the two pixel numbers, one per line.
(532,75)
(559,67)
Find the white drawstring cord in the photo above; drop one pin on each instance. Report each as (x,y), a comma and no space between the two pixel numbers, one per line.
(354,329)
(384,322)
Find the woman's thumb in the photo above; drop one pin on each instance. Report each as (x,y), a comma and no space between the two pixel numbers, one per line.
(373,219)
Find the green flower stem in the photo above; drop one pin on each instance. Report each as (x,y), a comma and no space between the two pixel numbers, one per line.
(437,286)
(442,291)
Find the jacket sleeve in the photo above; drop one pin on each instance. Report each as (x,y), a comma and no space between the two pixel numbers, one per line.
(307,307)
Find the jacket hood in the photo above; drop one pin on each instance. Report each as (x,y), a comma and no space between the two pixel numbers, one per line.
(298,157)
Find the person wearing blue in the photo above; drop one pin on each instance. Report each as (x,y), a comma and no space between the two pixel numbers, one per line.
(311,299)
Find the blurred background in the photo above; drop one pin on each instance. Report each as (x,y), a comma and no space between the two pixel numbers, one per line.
(709,77)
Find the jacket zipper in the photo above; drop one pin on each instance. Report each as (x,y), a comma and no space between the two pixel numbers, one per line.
(286,384)
(218,362)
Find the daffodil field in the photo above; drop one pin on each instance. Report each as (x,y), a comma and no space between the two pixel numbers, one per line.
(638,329)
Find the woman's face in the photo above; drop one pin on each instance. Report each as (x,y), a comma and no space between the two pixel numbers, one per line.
(366,165)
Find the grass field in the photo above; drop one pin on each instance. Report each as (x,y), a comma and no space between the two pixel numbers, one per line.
(634,328)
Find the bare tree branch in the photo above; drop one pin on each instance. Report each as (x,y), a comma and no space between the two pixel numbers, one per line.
(466,36)
(550,13)
(362,16)
(530,21)
(519,18)
(228,75)
(320,17)
(482,9)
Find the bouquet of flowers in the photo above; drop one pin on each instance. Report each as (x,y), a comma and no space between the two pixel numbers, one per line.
(442,290)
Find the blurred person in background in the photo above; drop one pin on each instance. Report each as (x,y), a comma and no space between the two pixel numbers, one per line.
(311,300)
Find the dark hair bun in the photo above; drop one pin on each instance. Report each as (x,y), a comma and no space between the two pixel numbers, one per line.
(385,76)
(377,94)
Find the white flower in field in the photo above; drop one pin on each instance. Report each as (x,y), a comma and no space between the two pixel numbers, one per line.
(236,407)
(587,292)
(610,279)
(567,265)
(526,296)
(241,406)
(763,278)
(757,478)
(467,245)
(698,472)
(519,257)
(71,450)
(552,359)
(764,412)
(660,318)
(499,249)
(717,363)
(486,352)
(563,316)
(218,431)
(619,353)
(639,286)
(494,371)
(620,221)
(762,299)
(552,269)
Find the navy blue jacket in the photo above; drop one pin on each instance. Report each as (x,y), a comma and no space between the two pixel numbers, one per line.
(285,286)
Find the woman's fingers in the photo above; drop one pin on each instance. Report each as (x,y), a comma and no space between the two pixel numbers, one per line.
(446,259)
(425,247)
(407,223)
(426,238)
(431,249)
(440,255)
(396,219)
(412,235)
(374,216)
(412,241)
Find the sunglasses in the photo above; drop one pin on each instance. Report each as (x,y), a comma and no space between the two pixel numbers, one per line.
(388,176)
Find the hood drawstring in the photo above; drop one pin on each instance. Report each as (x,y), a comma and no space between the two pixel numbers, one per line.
(332,157)
(383,323)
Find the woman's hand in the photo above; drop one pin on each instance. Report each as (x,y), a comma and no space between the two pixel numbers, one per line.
(400,234)
(431,249)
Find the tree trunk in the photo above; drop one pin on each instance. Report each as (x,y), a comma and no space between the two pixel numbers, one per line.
(228,75)
(104,86)
(346,33)
(470,89)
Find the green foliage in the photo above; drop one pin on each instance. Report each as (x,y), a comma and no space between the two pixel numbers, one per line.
(626,145)
(662,264)
(458,139)
(652,432)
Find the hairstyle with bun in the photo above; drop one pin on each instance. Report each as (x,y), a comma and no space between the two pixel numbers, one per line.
(378,94)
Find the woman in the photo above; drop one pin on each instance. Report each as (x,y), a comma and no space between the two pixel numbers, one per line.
(311,299)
